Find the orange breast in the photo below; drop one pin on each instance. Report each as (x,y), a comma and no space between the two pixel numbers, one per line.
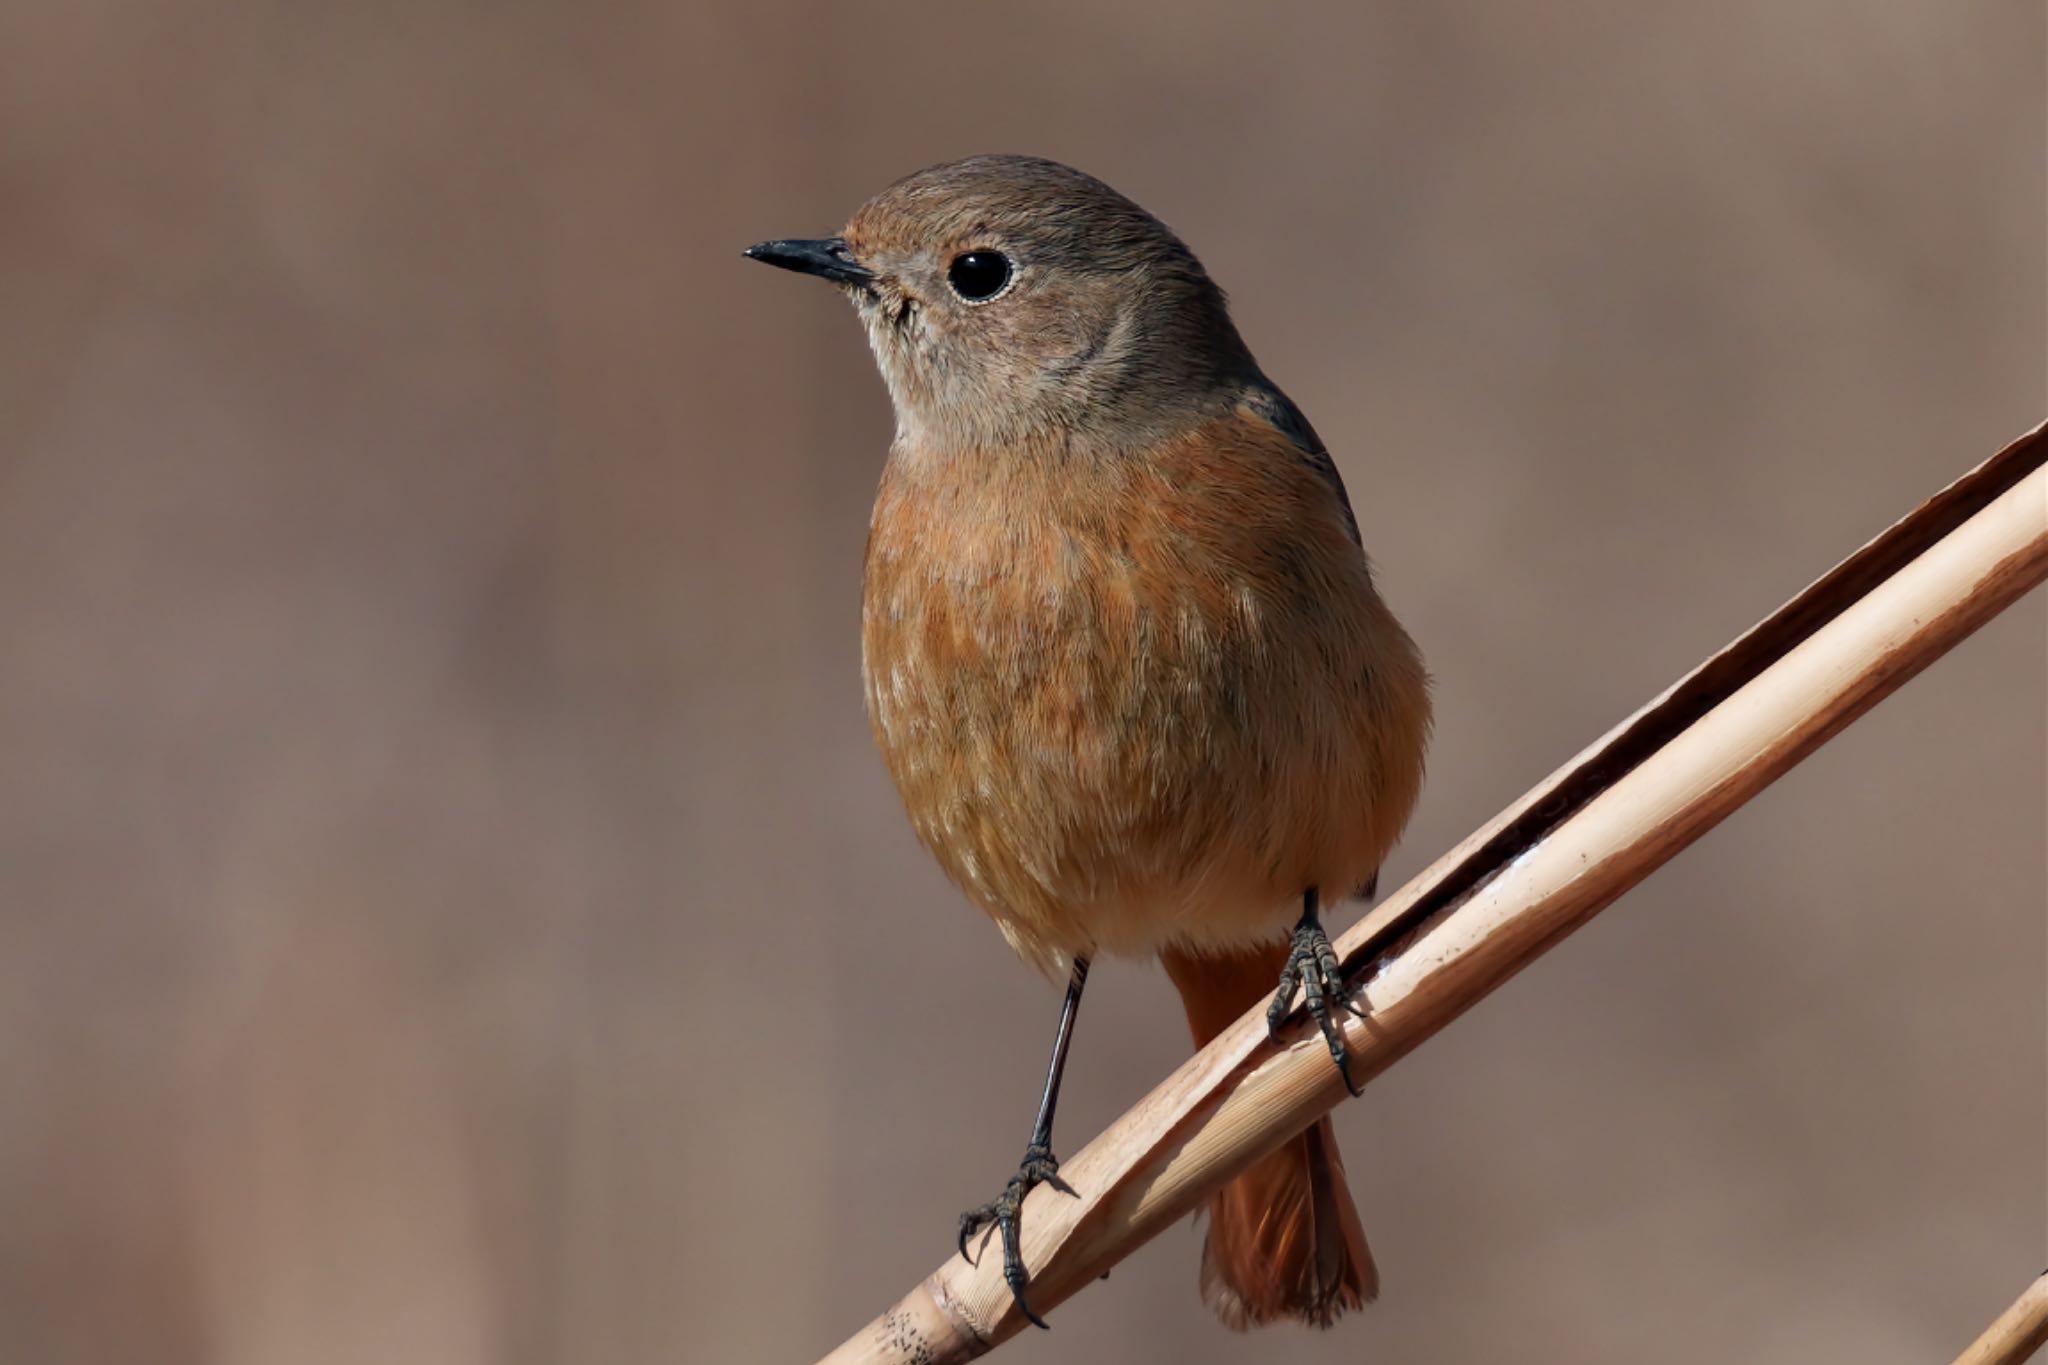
(1137,701)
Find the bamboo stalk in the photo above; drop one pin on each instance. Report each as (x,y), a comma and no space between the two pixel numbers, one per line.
(1514,888)
(2015,1334)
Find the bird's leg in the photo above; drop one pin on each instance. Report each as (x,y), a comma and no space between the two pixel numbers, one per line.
(1039,1167)
(1312,964)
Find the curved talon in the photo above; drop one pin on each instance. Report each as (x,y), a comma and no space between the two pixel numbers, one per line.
(1039,1167)
(1014,1274)
(970,1223)
(1312,964)
(1283,999)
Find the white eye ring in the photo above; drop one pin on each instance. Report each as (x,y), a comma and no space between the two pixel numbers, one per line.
(981,276)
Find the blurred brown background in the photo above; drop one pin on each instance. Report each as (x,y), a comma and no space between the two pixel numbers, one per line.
(449,907)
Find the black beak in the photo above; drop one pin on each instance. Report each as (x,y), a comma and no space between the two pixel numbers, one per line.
(826,258)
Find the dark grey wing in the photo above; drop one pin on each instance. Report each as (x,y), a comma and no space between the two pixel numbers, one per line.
(1277,410)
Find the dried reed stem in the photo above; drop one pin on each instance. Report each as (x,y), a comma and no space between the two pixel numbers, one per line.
(1514,888)
(2015,1334)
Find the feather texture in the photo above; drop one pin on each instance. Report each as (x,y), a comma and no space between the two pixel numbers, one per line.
(1142,705)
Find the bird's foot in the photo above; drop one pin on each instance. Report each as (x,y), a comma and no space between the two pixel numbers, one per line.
(1312,964)
(1039,1167)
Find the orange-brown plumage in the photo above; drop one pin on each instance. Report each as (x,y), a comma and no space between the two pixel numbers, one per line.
(1123,652)
(1139,701)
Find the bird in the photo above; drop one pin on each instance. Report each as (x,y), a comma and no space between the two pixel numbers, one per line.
(1123,652)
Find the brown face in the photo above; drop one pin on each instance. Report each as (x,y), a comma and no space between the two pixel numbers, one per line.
(1008,299)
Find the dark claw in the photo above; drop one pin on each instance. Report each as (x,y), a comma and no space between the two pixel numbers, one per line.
(1039,1167)
(970,1221)
(1014,1274)
(1283,998)
(1312,964)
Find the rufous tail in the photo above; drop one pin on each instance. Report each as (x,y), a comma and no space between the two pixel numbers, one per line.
(1284,1237)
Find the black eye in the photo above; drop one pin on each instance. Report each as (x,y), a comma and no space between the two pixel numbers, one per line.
(979,275)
